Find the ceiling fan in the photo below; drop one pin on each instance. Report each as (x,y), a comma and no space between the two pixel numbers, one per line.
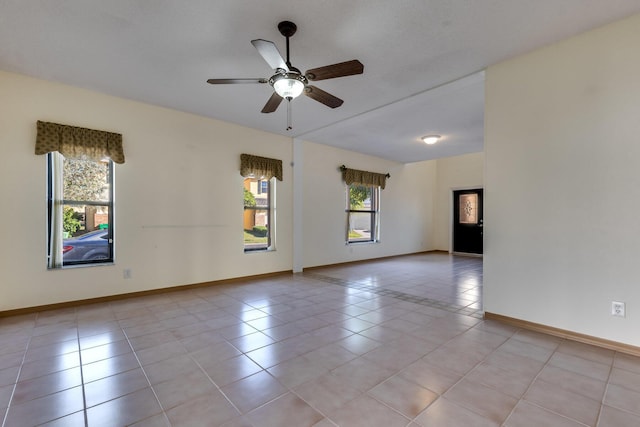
(288,82)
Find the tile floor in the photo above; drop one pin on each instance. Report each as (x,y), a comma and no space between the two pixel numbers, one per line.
(398,342)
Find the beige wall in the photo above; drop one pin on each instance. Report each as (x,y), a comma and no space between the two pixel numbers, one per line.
(453,173)
(178,199)
(561,207)
(406,207)
(178,203)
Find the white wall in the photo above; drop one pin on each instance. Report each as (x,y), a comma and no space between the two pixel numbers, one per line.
(178,197)
(406,206)
(453,173)
(562,150)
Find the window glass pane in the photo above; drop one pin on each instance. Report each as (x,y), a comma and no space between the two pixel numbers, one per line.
(86,233)
(360,197)
(360,226)
(86,180)
(258,212)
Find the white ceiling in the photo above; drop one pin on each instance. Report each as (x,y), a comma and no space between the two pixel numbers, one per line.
(423,59)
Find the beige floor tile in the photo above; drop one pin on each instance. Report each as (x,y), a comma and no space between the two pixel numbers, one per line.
(160,352)
(286,410)
(251,392)
(12,359)
(365,411)
(158,420)
(49,365)
(581,366)
(362,374)
(124,410)
(151,340)
(486,401)
(9,375)
(627,362)
(168,369)
(430,376)
(513,362)
(252,341)
(74,420)
(570,381)
(331,356)
(563,402)
(526,415)
(43,409)
(410,348)
(444,413)
(231,370)
(393,357)
(622,398)
(327,393)
(527,349)
(612,417)
(627,379)
(459,362)
(271,355)
(51,350)
(508,382)
(103,338)
(108,388)
(586,351)
(184,388)
(107,367)
(47,384)
(359,344)
(404,396)
(102,352)
(296,371)
(212,407)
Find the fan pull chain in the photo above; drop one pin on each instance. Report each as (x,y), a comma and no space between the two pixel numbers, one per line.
(289,114)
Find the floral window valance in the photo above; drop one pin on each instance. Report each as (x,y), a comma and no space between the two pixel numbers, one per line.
(260,167)
(74,142)
(354,176)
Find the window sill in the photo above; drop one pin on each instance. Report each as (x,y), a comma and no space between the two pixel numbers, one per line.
(367,242)
(259,251)
(70,267)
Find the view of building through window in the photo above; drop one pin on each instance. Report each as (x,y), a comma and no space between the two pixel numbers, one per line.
(257,213)
(362,213)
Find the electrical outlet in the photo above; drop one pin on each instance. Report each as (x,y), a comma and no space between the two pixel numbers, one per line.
(126,273)
(617,308)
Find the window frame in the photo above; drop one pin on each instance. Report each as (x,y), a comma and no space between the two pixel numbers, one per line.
(374,212)
(71,202)
(270,209)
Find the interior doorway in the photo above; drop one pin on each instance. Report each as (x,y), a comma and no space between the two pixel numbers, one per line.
(467,221)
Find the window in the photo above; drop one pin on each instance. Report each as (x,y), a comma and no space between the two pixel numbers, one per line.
(363,207)
(263,187)
(80,211)
(258,214)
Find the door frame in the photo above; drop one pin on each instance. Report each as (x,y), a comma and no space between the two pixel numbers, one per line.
(451,201)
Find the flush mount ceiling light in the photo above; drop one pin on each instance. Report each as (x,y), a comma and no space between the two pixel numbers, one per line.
(430,139)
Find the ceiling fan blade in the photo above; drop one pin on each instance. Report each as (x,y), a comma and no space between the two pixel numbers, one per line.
(235,81)
(343,69)
(270,53)
(272,104)
(322,96)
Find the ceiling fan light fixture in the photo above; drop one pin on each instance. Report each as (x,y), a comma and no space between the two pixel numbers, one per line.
(430,139)
(288,85)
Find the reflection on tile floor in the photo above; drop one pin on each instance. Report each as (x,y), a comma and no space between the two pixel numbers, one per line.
(396,342)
